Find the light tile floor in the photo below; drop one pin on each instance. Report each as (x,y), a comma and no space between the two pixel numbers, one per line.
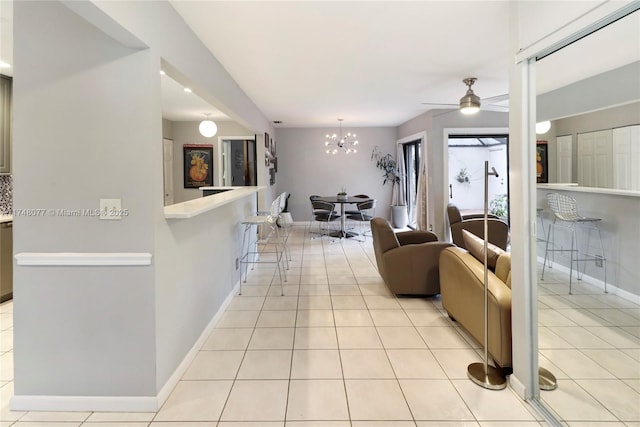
(591,342)
(339,350)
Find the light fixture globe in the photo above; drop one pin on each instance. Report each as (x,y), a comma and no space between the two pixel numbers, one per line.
(470,102)
(207,128)
(543,127)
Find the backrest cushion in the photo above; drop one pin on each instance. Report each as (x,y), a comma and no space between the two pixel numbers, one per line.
(503,268)
(453,213)
(475,246)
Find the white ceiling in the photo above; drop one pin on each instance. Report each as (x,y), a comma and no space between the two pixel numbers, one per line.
(181,106)
(373,63)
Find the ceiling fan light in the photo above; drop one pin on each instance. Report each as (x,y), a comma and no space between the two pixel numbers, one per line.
(470,103)
(207,128)
(543,127)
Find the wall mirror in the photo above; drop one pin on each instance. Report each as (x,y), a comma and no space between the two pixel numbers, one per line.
(589,91)
(588,86)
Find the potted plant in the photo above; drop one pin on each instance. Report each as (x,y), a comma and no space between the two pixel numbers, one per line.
(463,176)
(342,195)
(387,164)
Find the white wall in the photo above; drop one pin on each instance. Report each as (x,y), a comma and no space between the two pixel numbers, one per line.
(116,332)
(89,330)
(305,169)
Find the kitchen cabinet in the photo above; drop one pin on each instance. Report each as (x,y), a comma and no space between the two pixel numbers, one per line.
(6,261)
(5,123)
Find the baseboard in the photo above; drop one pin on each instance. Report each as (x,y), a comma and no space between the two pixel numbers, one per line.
(517,386)
(85,403)
(121,403)
(173,380)
(611,288)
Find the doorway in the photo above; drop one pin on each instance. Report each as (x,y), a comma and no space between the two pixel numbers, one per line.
(466,154)
(238,162)
(412,153)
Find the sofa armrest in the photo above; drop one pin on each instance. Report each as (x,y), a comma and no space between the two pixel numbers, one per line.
(415,237)
(413,269)
(462,290)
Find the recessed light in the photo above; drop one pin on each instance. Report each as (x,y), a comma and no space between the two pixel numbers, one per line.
(4,64)
(277,122)
(163,73)
(186,89)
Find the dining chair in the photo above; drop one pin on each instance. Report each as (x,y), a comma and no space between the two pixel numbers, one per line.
(355,211)
(322,212)
(365,212)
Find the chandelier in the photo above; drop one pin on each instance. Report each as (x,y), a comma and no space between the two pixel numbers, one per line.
(346,143)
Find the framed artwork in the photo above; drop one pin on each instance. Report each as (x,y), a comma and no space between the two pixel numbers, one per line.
(198,165)
(542,161)
(273,148)
(272,176)
(275,164)
(267,150)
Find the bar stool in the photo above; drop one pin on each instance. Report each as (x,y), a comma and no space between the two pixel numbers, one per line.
(540,218)
(254,249)
(565,214)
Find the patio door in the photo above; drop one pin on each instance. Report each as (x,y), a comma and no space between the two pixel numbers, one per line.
(467,154)
(412,157)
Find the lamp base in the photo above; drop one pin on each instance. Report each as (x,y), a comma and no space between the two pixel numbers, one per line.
(493,379)
(546,380)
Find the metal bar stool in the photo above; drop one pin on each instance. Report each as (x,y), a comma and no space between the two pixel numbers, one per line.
(565,213)
(254,249)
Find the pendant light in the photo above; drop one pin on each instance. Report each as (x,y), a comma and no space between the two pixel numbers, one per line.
(207,127)
(470,102)
(338,142)
(543,127)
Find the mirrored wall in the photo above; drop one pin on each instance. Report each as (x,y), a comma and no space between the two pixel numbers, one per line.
(589,339)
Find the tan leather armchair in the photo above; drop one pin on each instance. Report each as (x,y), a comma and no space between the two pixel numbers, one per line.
(407,261)
(462,290)
(498,229)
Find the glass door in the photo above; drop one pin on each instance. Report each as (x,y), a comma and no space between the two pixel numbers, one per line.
(412,158)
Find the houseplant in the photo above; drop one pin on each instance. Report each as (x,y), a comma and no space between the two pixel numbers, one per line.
(387,164)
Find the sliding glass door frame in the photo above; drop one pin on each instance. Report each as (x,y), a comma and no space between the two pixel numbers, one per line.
(522,121)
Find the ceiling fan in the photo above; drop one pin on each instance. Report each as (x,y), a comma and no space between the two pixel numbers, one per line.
(472,103)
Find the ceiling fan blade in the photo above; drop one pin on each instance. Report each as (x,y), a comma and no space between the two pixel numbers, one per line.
(497,98)
(439,103)
(498,108)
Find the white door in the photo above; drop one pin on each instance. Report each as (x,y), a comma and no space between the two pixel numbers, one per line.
(586,160)
(626,158)
(563,162)
(603,158)
(167,154)
(595,159)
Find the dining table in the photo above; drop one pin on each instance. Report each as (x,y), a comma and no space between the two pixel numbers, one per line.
(343,233)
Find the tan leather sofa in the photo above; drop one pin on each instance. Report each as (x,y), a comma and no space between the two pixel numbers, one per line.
(498,229)
(407,261)
(462,290)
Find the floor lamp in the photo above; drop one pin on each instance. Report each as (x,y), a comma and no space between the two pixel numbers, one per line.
(483,374)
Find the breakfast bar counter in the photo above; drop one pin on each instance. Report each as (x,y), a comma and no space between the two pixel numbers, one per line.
(195,207)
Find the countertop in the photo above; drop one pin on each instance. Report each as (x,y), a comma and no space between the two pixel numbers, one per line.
(6,218)
(595,190)
(192,208)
